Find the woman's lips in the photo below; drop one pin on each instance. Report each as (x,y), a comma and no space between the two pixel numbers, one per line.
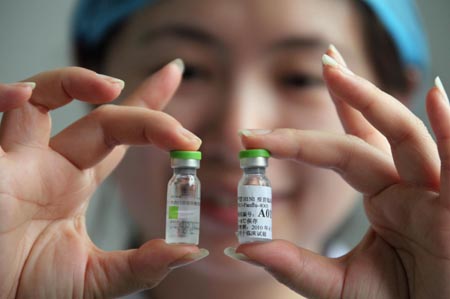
(226,215)
(219,203)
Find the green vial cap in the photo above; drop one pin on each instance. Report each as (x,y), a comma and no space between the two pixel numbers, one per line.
(185,155)
(254,153)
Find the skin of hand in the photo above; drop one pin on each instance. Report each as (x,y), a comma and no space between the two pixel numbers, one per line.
(389,156)
(46,183)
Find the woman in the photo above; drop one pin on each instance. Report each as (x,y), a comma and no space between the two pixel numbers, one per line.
(248,65)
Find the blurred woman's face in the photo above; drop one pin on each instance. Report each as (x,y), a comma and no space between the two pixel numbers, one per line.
(252,64)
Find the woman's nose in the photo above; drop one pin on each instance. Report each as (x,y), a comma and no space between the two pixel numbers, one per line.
(247,104)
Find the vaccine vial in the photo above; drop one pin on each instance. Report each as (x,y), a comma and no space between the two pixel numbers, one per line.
(183,199)
(254,198)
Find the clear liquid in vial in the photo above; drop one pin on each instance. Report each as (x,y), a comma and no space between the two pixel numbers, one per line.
(183,209)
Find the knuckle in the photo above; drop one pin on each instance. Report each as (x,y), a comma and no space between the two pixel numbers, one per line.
(354,140)
(414,129)
(67,74)
(171,121)
(349,150)
(74,69)
(103,111)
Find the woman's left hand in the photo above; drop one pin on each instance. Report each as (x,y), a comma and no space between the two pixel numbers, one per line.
(390,157)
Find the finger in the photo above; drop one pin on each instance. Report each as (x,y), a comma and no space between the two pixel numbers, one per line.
(413,149)
(438,110)
(30,124)
(58,87)
(364,167)
(154,93)
(92,138)
(15,95)
(305,272)
(112,274)
(353,121)
(158,89)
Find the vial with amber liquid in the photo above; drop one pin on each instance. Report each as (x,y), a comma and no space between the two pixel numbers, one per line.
(183,199)
(254,198)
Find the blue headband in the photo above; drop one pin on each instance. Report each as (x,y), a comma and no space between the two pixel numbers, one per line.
(94,19)
(402,20)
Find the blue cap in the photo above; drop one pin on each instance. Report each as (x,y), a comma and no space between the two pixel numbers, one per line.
(95,18)
(402,21)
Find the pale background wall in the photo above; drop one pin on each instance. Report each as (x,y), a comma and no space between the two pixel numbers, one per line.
(34,37)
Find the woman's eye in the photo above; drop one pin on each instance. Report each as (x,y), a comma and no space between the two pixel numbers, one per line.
(300,81)
(192,72)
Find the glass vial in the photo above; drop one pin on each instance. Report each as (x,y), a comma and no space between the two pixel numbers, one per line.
(254,198)
(183,199)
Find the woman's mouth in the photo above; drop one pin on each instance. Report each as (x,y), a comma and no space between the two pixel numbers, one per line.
(220,208)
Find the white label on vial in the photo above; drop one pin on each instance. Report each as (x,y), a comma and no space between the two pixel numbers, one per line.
(254,213)
(183,219)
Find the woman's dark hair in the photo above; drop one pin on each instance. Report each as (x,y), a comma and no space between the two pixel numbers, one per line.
(385,59)
(91,57)
(383,53)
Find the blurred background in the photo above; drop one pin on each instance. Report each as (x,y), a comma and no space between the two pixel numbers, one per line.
(34,36)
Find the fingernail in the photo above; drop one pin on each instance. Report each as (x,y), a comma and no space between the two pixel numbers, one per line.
(113,80)
(440,86)
(25,84)
(333,49)
(330,61)
(231,252)
(336,52)
(189,135)
(179,63)
(252,132)
(189,259)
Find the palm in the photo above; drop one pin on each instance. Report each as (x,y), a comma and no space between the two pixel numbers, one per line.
(46,184)
(403,248)
(370,268)
(389,156)
(404,254)
(53,181)
(43,202)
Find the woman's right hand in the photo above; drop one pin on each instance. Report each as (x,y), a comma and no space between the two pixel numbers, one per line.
(46,183)
(389,156)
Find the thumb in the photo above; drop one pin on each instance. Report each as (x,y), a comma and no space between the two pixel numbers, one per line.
(15,95)
(116,273)
(305,272)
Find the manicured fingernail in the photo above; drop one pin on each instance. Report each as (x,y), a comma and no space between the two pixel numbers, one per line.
(330,61)
(252,132)
(189,135)
(189,259)
(440,86)
(179,63)
(31,85)
(113,80)
(340,58)
(333,49)
(231,252)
